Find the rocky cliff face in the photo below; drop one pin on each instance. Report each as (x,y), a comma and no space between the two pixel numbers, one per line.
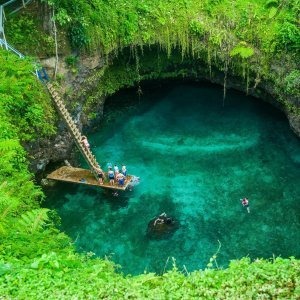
(80,84)
(56,150)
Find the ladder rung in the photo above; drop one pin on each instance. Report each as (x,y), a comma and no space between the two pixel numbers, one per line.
(91,159)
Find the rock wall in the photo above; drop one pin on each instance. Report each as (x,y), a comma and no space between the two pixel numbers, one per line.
(45,153)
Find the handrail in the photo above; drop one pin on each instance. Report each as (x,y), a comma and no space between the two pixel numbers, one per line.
(2,13)
(9,47)
(24,3)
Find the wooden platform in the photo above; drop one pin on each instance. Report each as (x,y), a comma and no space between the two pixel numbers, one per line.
(83,176)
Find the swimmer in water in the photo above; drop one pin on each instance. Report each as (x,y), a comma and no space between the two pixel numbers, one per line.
(115,194)
(245,203)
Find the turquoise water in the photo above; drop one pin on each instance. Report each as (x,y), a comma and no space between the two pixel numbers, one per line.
(196,159)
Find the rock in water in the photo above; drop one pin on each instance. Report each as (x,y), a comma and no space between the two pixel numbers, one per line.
(163,228)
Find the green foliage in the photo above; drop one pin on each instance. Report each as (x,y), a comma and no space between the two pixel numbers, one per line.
(272,12)
(243,37)
(36,259)
(292,83)
(56,276)
(25,115)
(196,27)
(271,3)
(71,60)
(19,92)
(289,36)
(242,50)
(34,220)
(24,33)
(78,35)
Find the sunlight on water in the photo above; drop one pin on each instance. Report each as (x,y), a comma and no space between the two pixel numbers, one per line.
(196,159)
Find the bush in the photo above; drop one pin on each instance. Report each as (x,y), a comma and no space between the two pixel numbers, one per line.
(292,83)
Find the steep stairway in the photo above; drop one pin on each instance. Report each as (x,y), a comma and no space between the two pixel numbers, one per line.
(73,129)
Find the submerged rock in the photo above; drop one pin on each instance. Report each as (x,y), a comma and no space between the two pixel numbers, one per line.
(46,182)
(161,227)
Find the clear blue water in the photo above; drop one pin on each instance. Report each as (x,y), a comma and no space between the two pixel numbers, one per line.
(196,159)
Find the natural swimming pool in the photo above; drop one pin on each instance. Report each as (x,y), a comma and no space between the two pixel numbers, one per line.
(196,159)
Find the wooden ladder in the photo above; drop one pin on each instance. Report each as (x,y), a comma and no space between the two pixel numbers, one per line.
(86,152)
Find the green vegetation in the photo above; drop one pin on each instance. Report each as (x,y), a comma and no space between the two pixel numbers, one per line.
(258,40)
(24,103)
(68,276)
(25,33)
(25,115)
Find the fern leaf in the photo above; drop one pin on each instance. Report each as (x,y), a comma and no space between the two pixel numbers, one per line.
(272,12)
(9,145)
(41,218)
(242,51)
(33,220)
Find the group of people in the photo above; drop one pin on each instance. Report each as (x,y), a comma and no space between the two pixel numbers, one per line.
(114,175)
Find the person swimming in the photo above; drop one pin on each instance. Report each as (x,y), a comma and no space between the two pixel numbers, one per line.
(245,203)
(162,219)
(161,226)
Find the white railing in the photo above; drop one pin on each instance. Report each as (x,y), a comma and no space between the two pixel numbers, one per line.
(3,42)
(13,10)
(23,3)
(9,47)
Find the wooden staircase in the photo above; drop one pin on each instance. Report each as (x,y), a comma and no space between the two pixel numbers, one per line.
(87,154)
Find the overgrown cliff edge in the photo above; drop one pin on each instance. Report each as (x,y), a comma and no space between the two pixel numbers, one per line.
(92,49)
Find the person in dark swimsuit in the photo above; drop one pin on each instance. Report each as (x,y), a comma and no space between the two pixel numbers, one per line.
(99,174)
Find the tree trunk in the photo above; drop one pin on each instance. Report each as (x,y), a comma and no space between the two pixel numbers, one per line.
(56,43)
(46,17)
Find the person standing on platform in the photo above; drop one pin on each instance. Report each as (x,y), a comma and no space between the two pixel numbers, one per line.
(121,178)
(111,176)
(99,174)
(124,171)
(116,169)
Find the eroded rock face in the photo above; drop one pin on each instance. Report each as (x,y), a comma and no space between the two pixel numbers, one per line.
(46,151)
(59,148)
(56,149)
(294,123)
